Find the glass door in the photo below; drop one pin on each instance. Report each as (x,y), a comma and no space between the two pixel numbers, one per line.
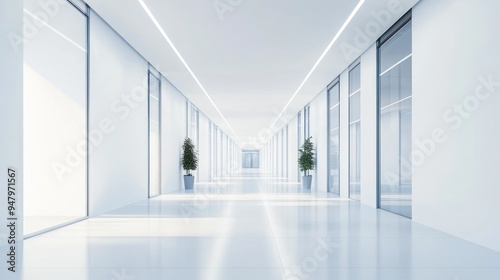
(250,159)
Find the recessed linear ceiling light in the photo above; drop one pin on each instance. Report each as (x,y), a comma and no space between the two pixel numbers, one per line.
(348,20)
(164,34)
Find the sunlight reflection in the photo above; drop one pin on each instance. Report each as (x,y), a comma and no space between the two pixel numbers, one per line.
(249,197)
(150,227)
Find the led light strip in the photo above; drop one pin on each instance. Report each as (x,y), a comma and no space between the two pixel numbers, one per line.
(165,36)
(348,20)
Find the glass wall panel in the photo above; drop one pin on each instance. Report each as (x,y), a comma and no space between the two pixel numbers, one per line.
(283,151)
(219,153)
(395,123)
(154,135)
(284,160)
(224,155)
(55,117)
(269,165)
(228,155)
(210,149)
(194,130)
(214,151)
(279,155)
(269,157)
(334,139)
(255,159)
(307,125)
(354,133)
(300,140)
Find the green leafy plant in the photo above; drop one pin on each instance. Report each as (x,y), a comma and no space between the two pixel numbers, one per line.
(189,156)
(306,156)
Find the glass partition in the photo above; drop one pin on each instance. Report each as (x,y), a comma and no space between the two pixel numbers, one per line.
(395,122)
(154,135)
(300,140)
(55,117)
(334,138)
(354,133)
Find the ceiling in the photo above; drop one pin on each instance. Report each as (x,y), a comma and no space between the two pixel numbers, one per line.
(250,56)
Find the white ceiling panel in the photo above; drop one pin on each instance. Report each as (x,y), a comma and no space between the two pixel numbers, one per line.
(250,55)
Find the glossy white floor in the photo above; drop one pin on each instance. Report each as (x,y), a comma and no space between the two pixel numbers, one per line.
(255,228)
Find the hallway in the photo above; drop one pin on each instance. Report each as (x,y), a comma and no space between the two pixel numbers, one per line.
(252,227)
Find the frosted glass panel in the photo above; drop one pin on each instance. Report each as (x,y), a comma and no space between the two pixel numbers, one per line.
(55,117)
(118,166)
(173,118)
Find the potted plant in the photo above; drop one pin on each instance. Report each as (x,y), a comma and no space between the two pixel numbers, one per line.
(189,162)
(306,162)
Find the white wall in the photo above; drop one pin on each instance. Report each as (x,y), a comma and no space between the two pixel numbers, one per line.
(11,112)
(118,163)
(204,149)
(368,107)
(319,132)
(455,188)
(173,135)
